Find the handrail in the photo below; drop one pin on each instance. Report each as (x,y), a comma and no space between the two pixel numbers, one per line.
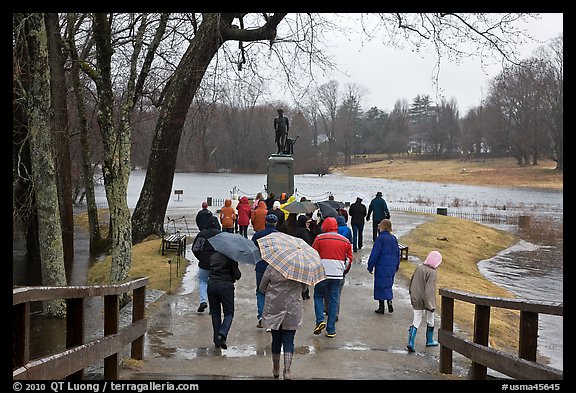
(523,366)
(70,362)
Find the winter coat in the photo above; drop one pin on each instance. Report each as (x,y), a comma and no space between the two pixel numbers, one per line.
(227,215)
(280,214)
(334,249)
(283,205)
(261,265)
(202,218)
(344,229)
(283,305)
(379,209)
(223,269)
(302,231)
(422,288)
(357,212)
(384,260)
(201,248)
(244,211)
(259,217)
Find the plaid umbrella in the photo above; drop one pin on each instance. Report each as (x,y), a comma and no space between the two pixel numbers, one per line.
(292,257)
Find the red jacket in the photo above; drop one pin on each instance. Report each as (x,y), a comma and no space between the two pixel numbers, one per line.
(244,211)
(334,250)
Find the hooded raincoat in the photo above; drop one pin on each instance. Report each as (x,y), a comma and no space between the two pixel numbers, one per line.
(384,260)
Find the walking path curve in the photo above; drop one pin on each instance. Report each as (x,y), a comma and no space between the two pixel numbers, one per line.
(178,344)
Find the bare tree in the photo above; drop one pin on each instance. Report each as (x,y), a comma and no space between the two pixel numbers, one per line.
(329,100)
(212,32)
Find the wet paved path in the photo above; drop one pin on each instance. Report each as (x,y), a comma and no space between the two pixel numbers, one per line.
(179,345)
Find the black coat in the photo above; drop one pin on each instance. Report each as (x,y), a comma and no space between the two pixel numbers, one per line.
(202,249)
(357,212)
(223,268)
(202,218)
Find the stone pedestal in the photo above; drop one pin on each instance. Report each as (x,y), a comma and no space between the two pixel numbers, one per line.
(280,175)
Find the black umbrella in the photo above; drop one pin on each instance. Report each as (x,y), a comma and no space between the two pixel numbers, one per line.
(326,210)
(300,207)
(236,247)
(335,204)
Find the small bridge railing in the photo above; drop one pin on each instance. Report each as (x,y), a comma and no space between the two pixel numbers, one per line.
(69,363)
(523,366)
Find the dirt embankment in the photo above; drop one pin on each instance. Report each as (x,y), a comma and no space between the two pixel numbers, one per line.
(497,172)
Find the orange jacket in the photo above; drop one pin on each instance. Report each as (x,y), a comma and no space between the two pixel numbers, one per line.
(259,216)
(227,215)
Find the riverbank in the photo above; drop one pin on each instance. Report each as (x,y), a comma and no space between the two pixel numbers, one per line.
(494,172)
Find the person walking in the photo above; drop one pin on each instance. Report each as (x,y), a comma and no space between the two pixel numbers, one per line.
(224,272)
(228,216)
(357,212)
(283,313)
(244,214)
(258,217)
(302,231)
(336,255)
(379,210)
(279,213)
(259,197)
(422,290)
(202,217)
(281,129)
(261,265)
(384,262)
(203,250)
(270,201)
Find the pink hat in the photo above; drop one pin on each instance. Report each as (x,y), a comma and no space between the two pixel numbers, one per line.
(204,205)
(433,259)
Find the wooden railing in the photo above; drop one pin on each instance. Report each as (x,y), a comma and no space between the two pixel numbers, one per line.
(523,366)
(70,363)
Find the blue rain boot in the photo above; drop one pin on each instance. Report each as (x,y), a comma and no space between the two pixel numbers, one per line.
(411,336)
(429,337)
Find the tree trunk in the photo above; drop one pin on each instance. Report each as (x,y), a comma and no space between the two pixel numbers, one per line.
(43,167)
(23,191)
(116,168)
(61,135)
(148,217)
(97,244)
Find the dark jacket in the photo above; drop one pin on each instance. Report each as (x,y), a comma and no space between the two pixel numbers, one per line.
(357,212)
(302,231)
(202,218)
(201,248)
(261,265)
(223,268)
(379,209)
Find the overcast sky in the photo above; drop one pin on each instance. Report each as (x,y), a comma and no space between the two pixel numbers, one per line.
(390,74)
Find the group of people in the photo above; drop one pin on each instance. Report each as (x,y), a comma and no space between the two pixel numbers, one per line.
(280,301)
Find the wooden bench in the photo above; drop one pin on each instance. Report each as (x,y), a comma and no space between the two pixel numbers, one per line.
(403,251)
(176,242)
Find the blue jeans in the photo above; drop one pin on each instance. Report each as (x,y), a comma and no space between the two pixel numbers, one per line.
(260,297)
(332,287)
(357,236)
(203,284)
(221,299)
(283,339)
